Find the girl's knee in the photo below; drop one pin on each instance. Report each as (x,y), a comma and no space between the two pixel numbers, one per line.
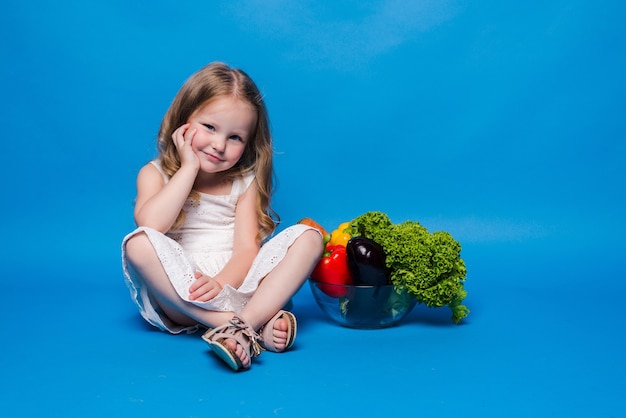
(313,240)
(138,247)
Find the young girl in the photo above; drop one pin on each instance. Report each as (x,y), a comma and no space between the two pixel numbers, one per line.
(200,255)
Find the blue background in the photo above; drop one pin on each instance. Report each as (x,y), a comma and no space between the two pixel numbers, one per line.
(500,122)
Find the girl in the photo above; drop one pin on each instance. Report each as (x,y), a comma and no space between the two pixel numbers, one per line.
(203,212)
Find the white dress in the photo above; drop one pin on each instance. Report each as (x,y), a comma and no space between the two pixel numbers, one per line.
(204,243)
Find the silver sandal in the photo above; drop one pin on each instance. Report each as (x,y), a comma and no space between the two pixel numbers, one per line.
(267,336)
(238,330)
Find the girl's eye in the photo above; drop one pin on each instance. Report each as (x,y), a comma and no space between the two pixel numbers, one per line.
(236,138)
(209,127)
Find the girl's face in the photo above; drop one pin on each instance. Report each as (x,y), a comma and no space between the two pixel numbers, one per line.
(223,129)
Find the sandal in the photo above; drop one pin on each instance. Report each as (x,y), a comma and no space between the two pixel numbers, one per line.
(235,329)
(267,331)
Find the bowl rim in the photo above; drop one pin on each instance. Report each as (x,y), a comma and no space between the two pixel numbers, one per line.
(367,286)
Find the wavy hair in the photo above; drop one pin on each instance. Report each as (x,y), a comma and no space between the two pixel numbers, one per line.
(213,81)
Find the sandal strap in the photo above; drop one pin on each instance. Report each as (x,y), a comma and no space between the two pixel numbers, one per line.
(238,330)
(249,332)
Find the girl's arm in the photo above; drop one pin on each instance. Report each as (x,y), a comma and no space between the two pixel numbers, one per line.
(245,249)
(158,203)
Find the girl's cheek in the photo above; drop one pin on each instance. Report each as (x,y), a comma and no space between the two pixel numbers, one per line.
(198,141)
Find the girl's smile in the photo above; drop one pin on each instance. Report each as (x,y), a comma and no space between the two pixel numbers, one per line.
(212,157)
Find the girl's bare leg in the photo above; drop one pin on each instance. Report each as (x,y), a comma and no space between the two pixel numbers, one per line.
(143,259)
(273,293)
(276,289)
(282,283)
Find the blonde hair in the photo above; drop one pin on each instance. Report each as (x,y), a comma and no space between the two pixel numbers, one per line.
(219,80)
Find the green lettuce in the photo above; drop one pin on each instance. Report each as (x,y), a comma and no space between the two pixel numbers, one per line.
(429,266)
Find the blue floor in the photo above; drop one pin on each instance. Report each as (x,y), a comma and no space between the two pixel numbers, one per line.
(500,122)
(540,341)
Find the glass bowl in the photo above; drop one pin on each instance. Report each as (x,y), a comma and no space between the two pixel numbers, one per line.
(363,307)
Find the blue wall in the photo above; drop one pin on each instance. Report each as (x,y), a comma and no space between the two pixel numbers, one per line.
(502,122)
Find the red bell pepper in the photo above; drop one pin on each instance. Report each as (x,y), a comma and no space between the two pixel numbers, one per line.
(333,269)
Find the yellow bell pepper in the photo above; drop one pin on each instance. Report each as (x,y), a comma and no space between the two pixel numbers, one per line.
(339,237)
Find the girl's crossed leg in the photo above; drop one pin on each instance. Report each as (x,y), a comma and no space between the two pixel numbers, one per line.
(274,291)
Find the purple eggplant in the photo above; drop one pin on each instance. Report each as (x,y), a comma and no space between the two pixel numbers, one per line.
(366,261)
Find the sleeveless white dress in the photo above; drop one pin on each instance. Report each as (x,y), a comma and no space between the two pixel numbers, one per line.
(204,243)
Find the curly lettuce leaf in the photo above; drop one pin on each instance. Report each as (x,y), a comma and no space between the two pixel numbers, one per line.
(428,265)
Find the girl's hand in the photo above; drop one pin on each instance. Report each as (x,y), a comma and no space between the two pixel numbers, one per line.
(204,288)
(183,138)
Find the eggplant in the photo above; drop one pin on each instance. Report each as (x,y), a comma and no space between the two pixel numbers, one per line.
(366,261)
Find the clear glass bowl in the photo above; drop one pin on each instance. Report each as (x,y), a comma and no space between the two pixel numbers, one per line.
(363,307)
